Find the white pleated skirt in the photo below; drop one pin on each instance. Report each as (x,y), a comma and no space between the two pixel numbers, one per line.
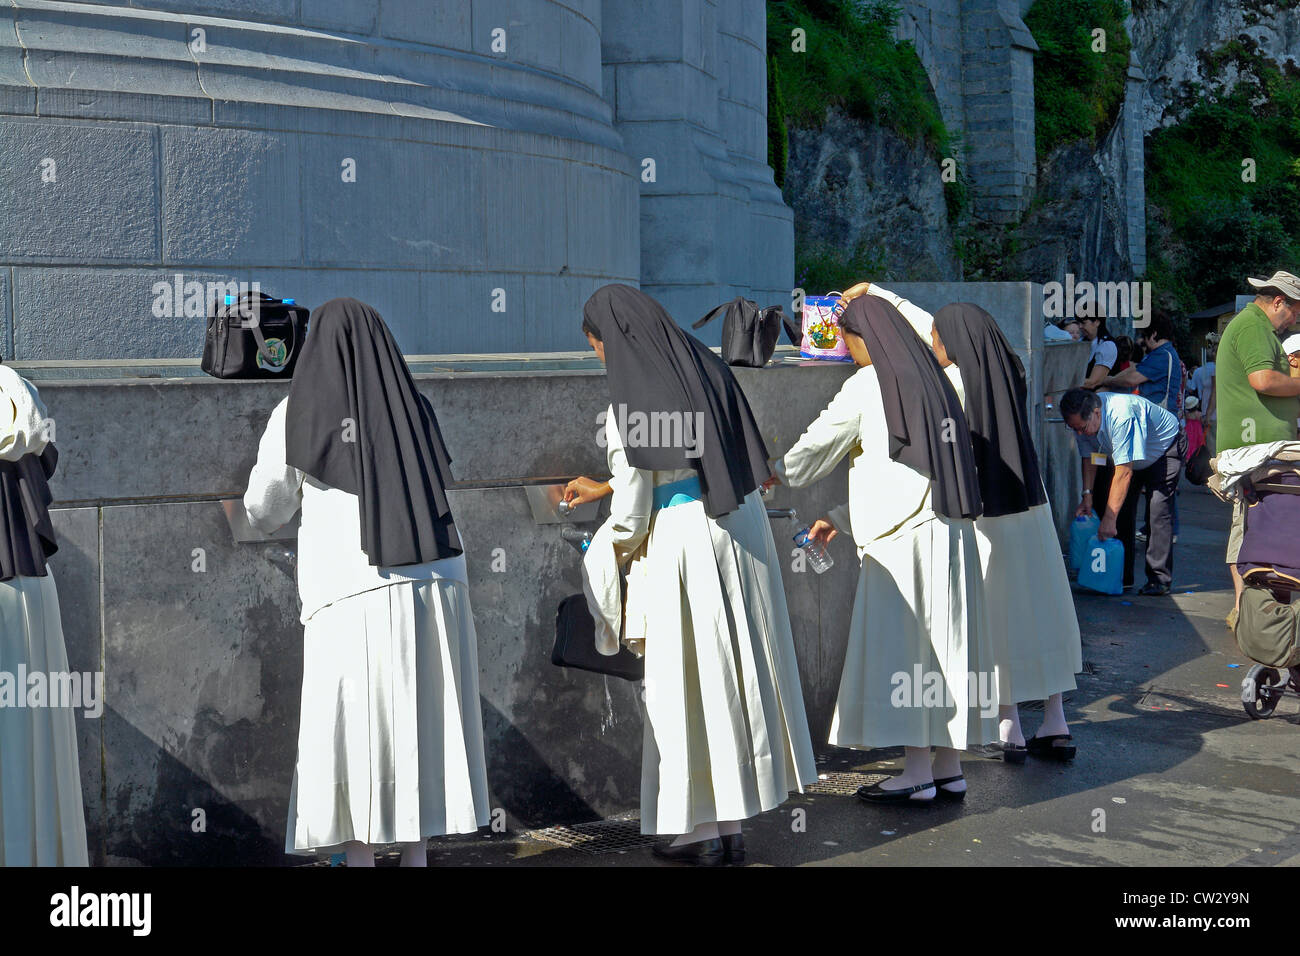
(1031,610)
(726,735)
(390,746)
(42,818)
(919,668)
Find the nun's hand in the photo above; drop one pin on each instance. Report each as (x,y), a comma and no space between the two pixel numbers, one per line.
(770,484)
(852,292)
(823,532)
(581,490)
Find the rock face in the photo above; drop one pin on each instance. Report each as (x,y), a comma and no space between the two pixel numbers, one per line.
(1077,223)
(855,185)
(1169,36)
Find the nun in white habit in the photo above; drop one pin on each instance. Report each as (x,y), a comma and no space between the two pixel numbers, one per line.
(390,743)
(1031,610)
(42,818)
(726,736)
(918,671)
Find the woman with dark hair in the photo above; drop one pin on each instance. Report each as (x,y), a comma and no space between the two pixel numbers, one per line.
(726,736)
(42,820)
(919,671)
(1036,642)
(390,742)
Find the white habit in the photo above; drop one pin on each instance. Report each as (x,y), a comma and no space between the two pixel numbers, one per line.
(390,743)
(1032,621)
(42,818)
(918,670)
(726,736)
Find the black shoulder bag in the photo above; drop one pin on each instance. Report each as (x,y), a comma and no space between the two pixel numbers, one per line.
(575,644)
(749,333)
(254,336)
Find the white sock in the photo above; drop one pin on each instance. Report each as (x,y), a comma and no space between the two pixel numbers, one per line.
(916,771)
(705,831)
(1009,731)
(948,762)
(729,828)
(415,854)
(1054,717)
(359,854)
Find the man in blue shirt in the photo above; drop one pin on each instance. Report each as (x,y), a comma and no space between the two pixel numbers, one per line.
(1147,447)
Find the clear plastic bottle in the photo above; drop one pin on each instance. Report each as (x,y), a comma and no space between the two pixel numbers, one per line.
(818,556)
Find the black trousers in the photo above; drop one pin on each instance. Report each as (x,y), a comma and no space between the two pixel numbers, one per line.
(1157,484)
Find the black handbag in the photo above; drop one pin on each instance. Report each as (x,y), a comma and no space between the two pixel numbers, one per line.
(1198,467)
(254,336)
(575,644)
(749,333)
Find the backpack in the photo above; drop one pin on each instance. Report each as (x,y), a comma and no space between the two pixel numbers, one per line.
(749,333)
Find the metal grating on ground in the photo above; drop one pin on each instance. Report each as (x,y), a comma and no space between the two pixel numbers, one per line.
(844,784)
(599,836)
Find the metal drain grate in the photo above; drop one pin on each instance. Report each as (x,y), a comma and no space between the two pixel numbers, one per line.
(844,784)
(600,836)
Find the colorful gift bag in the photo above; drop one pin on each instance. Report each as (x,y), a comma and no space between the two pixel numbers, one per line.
(822,338)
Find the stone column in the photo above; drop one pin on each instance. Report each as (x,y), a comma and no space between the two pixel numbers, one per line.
(998,95)
(687,80)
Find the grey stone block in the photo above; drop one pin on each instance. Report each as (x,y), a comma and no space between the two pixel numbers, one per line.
(580,57)
(457,314)
(524,212)
(653,91)
(534,33)
(411,204)
(603,222)
(75,568)
(635,33)
(678,240)
(353,16)
(445,24)
(203,671)
(231,197)
(100,205)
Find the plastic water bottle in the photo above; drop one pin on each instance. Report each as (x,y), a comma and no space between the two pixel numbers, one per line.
(818,557)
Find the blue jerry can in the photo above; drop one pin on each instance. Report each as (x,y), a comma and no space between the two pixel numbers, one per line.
(1102,566)
(1082,529)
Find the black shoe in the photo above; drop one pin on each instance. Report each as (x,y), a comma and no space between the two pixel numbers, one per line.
(733,847)
(700,853)
(1013,753)
(942,784)
(877,794)
(1151,589)
(1046,747)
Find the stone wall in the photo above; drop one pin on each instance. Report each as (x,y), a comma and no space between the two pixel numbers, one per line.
(454,164)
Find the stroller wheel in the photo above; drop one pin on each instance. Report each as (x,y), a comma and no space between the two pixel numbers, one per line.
(1261,690)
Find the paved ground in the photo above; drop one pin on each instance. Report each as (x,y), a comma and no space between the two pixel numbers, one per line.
(1166,753)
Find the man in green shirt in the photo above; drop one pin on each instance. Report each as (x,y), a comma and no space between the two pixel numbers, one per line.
(1254,391)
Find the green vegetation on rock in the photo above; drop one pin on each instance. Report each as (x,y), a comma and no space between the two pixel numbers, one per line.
(1223,185)
(1077,92)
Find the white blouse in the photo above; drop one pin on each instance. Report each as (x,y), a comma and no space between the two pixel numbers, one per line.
(331,562)
(23,419)
(618,541)
(884,495)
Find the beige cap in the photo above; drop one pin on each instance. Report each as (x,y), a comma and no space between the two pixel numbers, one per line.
(1284,282)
